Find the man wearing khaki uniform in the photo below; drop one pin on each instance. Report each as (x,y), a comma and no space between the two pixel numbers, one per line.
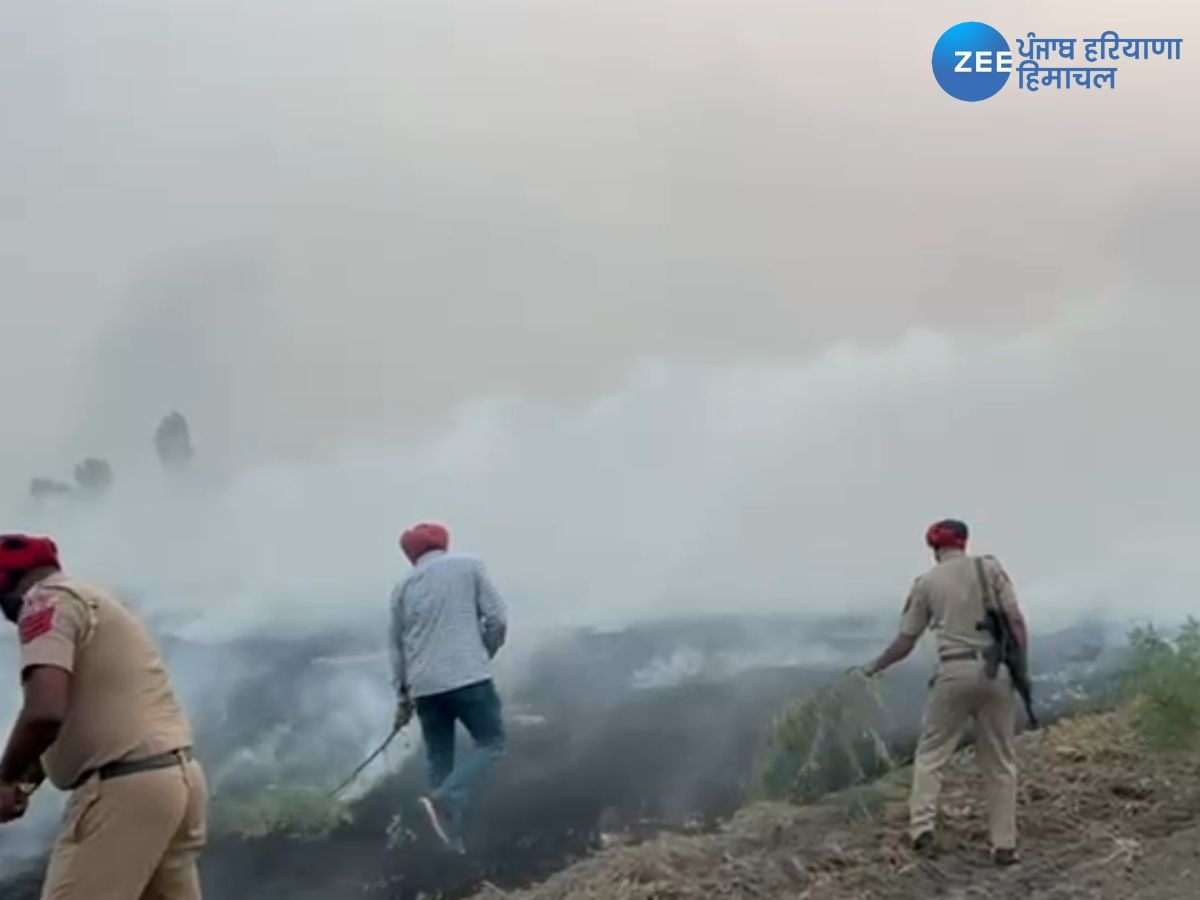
(100,719)
(950,600)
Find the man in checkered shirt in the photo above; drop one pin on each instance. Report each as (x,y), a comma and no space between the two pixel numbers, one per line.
(448,622)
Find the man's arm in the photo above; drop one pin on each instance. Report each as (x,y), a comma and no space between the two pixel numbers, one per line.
(396,643)
(49,629)
(47,693)
(913,622)
(1006,595)
(899,649)
(404,701)
(493,616)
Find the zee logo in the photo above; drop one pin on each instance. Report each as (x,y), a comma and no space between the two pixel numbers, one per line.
(983,61)
(972,61)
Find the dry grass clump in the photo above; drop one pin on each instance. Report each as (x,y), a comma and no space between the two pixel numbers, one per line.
(278,809)
(1163,682)
(827,740)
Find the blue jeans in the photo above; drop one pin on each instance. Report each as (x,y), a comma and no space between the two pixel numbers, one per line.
(456,782)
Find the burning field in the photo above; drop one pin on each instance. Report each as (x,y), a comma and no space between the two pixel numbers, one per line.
(614,737)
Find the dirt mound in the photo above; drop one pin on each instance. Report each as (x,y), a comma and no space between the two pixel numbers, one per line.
(1101,818)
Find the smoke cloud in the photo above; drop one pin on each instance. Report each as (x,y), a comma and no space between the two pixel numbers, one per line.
(759,487)
(662,307)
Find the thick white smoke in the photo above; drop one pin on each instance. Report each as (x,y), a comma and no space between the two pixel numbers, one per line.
(692,489)
(761,487)
(405,202)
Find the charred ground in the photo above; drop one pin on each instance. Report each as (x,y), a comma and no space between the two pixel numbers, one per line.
(632,732)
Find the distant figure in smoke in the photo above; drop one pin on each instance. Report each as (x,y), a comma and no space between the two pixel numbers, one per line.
(100,720)
(448,622)
(952,598)
(173,442)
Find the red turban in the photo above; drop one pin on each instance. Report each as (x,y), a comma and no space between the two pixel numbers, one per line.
(20,553)
(420,539)
(948,533)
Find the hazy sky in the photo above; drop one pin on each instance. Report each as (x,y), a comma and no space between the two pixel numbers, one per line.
(708,302)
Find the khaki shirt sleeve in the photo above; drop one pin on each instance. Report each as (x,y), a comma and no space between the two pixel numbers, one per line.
(50,626)
(1002,586)
(915,618)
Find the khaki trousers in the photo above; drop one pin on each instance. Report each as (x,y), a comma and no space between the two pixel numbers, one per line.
(132,838)
(962,692)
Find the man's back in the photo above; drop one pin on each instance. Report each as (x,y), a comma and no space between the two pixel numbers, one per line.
(448,621)
(122,704)
(955,603)
(949,599)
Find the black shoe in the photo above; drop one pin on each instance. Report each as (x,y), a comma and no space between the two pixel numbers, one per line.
(1004,856)
(925,845)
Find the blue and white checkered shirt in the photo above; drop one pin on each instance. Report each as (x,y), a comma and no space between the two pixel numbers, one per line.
(448,621)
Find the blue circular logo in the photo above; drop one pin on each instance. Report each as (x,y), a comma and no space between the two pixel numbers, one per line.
(972,61)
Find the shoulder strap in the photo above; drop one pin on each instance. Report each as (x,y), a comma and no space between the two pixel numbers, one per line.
(989,602)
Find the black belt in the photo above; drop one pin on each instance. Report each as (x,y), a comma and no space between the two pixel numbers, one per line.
(123,767)
(960,655)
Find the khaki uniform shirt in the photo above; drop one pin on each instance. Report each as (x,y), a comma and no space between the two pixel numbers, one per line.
(122,706)
(949,600)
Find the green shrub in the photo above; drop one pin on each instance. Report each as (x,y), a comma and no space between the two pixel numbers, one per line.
(293,811)
(829,740)
(1163,684)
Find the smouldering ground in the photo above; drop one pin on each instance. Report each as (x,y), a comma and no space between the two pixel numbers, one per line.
(1102,819)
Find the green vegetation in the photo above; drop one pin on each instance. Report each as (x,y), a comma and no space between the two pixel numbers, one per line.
(293,811)
(827,741)
(1163,685)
